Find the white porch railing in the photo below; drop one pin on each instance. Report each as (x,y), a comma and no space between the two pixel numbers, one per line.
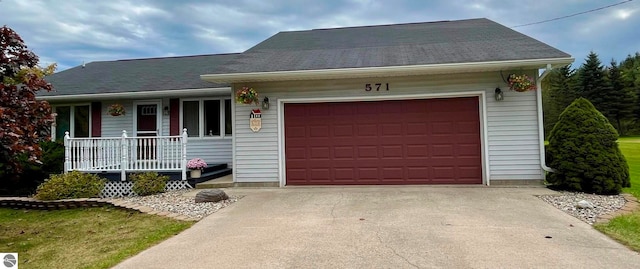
(126,154)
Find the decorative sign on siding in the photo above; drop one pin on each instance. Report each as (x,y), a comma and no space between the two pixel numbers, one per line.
(255,120)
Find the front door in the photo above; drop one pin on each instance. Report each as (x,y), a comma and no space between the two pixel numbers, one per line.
(147,122)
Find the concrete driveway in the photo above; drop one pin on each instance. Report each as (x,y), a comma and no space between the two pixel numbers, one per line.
(388,227)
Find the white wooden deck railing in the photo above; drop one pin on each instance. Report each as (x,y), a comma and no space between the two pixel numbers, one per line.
(126,154)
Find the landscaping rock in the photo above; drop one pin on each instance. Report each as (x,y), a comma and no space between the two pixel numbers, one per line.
(214,195)
(584,204)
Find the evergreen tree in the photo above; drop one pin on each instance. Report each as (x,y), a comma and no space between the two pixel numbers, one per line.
(594,85)
(560,92)
(620,101)
(630,73)
(584,152)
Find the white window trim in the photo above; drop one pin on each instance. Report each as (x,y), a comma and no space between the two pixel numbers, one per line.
(201,132)
(72,122)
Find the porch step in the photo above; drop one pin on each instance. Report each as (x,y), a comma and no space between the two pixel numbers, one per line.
(222,182)
(209,173)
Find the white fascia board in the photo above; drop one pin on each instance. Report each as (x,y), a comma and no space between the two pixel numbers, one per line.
(138,95)
(385,71)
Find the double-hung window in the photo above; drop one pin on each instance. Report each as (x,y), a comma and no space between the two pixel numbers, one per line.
(75,119)
(207,117)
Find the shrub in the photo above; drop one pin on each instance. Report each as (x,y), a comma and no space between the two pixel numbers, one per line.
(584,152)
(148,183)
(33,173)
(70,185)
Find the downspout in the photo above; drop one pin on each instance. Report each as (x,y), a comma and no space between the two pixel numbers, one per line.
(543,162)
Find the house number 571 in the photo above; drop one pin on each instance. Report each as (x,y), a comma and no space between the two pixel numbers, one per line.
(369,87)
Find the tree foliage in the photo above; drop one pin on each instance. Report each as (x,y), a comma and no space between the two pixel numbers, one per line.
(613,90)
(559,92)
(584,152)
(24,121)
(593,83)
(620,101)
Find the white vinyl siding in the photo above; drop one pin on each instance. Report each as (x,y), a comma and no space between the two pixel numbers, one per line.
(512,134)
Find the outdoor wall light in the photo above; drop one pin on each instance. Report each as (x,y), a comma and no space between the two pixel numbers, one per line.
(499,95)
(265,103)
(166,110)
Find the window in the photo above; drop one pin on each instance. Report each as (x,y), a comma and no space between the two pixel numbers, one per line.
(72,119)
(207,118)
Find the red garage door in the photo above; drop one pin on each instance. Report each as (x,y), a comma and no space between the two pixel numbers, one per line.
(427,141)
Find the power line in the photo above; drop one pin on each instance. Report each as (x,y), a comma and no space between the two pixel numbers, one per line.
(572,15)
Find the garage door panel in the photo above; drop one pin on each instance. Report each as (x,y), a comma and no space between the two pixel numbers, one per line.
(392,129)
(297,153)
(319,131)
(319,153)
(365,130)
(367,152)
(467,150)
(296,132)
(392,151)
(434,141)
(343,130)
(416,128)
(367,173)
(443,150)
(417,151)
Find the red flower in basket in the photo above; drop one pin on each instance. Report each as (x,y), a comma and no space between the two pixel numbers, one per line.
(247,96)
(116,110)
(521,83)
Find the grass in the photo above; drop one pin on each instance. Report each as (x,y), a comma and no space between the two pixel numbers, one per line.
(81,238)
(626,228)
(630,147)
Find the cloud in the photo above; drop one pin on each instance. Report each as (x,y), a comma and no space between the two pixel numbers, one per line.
(70,31)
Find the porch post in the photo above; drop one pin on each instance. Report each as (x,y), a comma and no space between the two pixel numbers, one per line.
(184,154)
(67,152)
(123,152)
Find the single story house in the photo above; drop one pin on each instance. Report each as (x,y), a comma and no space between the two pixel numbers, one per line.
(417,103)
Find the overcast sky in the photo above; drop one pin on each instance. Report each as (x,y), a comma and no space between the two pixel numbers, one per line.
(69,32)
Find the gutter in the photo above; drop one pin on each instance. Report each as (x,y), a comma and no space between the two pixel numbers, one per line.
(382,71)
(140,94)
(543,162)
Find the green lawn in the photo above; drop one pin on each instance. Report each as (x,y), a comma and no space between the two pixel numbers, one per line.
(81,238)
(626,229)
(630,147)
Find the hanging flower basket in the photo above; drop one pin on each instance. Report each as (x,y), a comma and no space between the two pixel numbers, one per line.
(116,110)
(247,96)
(521,83)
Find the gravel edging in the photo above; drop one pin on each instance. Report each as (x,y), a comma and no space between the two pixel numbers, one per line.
(605,207)
(172,204)
(175,204)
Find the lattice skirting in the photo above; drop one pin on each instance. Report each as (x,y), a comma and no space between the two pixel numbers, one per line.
(123,188)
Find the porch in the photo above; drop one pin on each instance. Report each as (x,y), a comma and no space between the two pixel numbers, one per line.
(124,155)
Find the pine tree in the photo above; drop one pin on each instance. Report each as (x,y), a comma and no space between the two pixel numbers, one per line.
(630,73)
(620,100)
(560,92)
(594,85)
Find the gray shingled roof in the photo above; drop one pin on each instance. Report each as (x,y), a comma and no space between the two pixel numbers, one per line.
(474,40)
(153,74)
